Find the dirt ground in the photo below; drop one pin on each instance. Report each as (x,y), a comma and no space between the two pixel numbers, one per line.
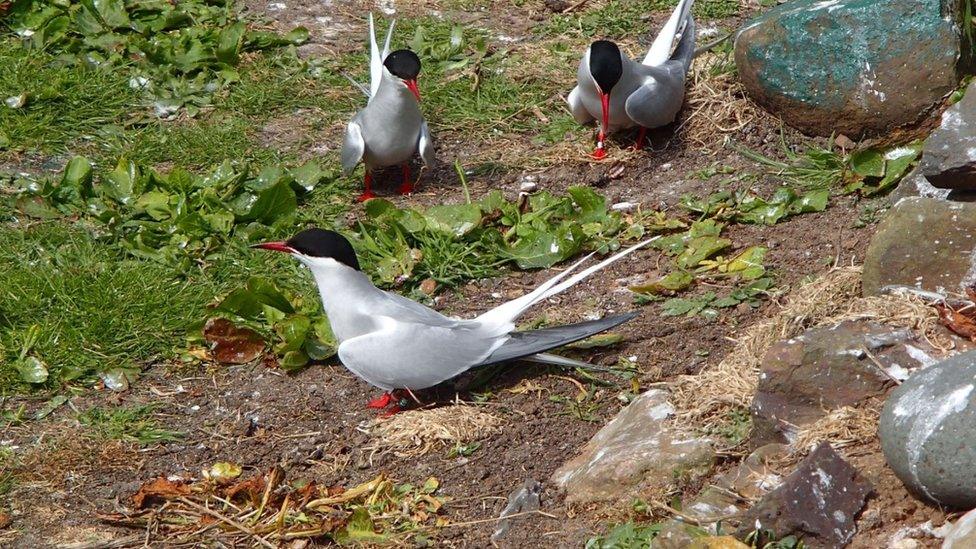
(314,423)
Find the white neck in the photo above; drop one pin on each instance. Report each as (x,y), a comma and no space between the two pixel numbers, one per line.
(346,297)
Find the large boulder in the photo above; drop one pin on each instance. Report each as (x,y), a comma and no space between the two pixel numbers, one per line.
(818,502)
(805,377)
(858,67)
(925,243)
(635,452)
(949,154)
(928,432)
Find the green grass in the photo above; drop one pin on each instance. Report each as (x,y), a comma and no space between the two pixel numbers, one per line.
(627,18)
(134,424)
(64,103)
(95,310)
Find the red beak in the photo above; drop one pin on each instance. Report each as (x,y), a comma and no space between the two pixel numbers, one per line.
(412,84)
(275,247)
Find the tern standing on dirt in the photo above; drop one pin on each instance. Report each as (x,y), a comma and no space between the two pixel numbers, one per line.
(391,128)
(622,93)
(395,343)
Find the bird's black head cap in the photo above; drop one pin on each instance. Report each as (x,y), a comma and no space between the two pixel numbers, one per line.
(323,243)
(404,64)
(606,65)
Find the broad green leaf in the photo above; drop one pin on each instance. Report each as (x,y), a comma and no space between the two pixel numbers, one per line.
(307,176)
(592,206)
(293,330)
(675,281)
(31,369)
(360,528)
(272,204)
(457,220)
(155,204)
(748,263)
(112,13)
(700,249)
(121,183)
(868,163)
(50,406)
(229,43)
(78,174)
(293,361)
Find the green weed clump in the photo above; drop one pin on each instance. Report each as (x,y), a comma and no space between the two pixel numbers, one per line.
(134,424)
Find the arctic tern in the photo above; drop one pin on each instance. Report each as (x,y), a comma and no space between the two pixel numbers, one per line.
(391,128)
(621,93)
(396,344)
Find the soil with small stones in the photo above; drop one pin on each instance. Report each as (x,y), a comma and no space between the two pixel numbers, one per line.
(314,423)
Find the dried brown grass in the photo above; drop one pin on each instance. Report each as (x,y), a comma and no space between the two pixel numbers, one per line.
(717,104)
(418,432)
(707,398)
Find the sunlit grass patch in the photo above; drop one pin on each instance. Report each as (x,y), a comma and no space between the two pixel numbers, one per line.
(61,104)
(135,424)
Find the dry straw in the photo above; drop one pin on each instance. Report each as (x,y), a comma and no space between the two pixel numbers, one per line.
(418,432)
(707,398)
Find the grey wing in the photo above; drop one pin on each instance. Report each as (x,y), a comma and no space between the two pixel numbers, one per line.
(577,107)
(410,311)
(353,147)
(525,344)
(414,356)
(425,144)
(656,103)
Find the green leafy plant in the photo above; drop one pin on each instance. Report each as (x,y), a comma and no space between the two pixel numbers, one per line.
(627,535)
(180,52)
(708,303)
(747,207)
(298,328)
(454,243)
(176,218)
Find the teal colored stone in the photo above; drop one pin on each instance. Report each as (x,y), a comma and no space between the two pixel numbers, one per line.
(858,67)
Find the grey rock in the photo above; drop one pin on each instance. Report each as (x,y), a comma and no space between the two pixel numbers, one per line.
(805,377)
(637,451)
(925,243)
(523,499)
(928,432)
(949,154)
(818,502)
(858,67)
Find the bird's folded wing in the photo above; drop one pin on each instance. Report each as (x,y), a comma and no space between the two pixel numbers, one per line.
(353,147)
(414,355)
(523,344)
(577,108)
(425,145)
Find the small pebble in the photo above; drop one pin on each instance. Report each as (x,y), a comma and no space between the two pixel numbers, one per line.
(623,207)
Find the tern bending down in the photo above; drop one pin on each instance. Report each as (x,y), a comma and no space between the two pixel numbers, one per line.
(395,343)
(391,128)
(618,92)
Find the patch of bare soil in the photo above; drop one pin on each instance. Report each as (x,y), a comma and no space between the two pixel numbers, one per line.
(314,423)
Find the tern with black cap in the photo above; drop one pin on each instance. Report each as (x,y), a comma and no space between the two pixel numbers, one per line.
(391,128)
(617,92)
(395,343)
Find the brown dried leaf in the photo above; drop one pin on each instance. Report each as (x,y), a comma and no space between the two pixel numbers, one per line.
(159,489)
(251,489)
(230,344)
(957,322)
(5,520)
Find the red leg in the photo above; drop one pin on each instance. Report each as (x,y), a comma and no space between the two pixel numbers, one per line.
(406,187)
(380,402)
(601,152)
(640,139)
(391,411)
(368,184)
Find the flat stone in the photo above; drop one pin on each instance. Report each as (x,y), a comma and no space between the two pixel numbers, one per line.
(925,243)
(963,533)
(857,67)
(805,377)
(637,451)
(818,502)
(928,432)
(949,153)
